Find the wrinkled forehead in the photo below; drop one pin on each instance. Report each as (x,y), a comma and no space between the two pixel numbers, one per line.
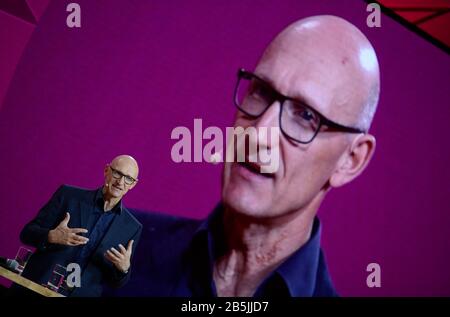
(328,70)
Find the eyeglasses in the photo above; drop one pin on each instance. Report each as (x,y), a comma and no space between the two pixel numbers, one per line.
(298,121)
(118,175)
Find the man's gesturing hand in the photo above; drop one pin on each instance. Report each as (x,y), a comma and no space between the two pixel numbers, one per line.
(120,259)
(65,235)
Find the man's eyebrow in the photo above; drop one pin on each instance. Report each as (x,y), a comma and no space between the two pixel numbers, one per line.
(299,98)
(122,173)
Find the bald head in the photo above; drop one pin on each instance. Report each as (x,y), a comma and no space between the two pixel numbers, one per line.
(127,164)
(323,62)
(327,62)
(121,175)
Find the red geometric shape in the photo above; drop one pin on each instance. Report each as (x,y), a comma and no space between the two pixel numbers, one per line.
(430,16)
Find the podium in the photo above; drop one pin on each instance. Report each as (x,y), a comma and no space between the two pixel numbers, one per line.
(18,279)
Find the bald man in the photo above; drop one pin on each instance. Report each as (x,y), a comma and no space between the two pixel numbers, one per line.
(318,83)
(91,228)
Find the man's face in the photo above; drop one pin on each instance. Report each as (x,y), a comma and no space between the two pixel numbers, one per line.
(327,84)
(120,177)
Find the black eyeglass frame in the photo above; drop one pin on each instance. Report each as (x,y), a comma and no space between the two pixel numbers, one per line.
(323,121)
(113,170)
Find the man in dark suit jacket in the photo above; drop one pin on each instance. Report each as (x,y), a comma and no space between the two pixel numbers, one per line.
(317,84)
(88,227)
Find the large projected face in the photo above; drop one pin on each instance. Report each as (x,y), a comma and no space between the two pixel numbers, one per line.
(335,75)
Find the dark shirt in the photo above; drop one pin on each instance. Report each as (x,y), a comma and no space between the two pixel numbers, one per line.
(97,225)
(176,258)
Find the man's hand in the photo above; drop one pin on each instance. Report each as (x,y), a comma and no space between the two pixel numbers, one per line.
(120,259)
(65,235)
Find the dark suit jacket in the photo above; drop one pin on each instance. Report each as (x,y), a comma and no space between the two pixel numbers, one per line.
(79,203)
(173,259)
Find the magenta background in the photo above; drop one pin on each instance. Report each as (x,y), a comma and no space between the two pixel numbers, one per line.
(137,69)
